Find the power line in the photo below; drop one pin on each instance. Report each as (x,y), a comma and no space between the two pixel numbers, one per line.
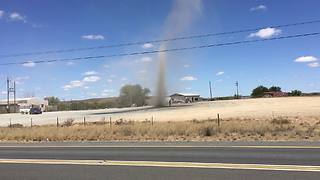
(162,51)
(158,40)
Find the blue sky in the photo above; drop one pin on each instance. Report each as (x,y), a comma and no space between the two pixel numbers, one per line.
(29,26)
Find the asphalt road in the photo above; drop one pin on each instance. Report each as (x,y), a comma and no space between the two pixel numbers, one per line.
(234,154)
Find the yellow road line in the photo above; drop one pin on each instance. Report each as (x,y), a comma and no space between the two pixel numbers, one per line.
(298,168)
(160,146)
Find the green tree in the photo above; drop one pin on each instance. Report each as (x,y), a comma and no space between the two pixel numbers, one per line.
(259,91)
(275,89)
(295,93)
(133,95)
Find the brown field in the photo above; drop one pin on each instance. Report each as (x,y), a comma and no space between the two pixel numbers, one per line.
(260,109)
(294,118)
(277,129)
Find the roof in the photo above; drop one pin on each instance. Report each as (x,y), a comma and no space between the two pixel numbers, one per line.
(185,94)
(19,99)
(4,101)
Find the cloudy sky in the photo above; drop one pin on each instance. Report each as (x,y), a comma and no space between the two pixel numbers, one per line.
(37,26)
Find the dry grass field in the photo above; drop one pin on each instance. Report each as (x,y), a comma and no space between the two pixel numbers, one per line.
(277,129)
(263,108)
(293,118)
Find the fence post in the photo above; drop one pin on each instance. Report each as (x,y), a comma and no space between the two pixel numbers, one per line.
(152,120)
(110,121)
(218,119)
(57,122)
(84,120)
(31,122)
(10,125)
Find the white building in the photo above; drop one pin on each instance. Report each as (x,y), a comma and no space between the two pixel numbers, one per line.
(27,103)
(184,98)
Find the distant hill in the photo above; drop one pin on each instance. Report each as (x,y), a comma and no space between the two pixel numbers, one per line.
(85,104)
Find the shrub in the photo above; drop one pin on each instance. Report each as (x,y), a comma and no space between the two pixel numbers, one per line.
(295,93)
(68,122)
(280,120)
(17,125)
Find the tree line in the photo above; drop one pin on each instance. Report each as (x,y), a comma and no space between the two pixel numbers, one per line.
(130,95)
(261,91)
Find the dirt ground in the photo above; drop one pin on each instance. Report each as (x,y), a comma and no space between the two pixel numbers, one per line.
(263,108)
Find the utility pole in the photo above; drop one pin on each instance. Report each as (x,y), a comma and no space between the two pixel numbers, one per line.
(14,96)
(237,86)
(8,95)
(210,90)
(11,88)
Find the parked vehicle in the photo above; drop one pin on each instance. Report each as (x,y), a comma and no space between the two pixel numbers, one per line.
(25,111)
(35,110)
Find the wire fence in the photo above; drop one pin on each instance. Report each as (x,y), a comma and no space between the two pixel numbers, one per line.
(69,121)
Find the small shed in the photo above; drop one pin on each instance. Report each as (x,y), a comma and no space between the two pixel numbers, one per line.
(184,98)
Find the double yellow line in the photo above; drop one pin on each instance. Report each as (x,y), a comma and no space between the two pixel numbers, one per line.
(299,168)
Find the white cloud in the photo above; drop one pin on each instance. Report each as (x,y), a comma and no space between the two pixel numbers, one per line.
(259,8)
(70,63)
(93,37)
(147,46)
(124,79)
(91,79)
(306,59)
(90,73)
(76,83)
(109,80)
(186,66)
(108,90)
(20,80)
(1,13)
(106,66)
(266,33)
(29,64)
(220,73)
(145,59)
(17,17)
(188,78)
(73,84)
(314,64)
(3,92)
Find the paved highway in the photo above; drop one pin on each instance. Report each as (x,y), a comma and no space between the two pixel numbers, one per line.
(160,161)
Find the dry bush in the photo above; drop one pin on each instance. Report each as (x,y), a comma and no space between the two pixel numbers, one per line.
(17,125)
(280,120)
(68,122)
(229,129)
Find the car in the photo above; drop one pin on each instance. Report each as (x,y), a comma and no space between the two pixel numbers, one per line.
(24,111)
(35,110)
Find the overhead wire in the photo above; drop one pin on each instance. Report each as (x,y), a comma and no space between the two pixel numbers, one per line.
(157,40)
(162,50)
